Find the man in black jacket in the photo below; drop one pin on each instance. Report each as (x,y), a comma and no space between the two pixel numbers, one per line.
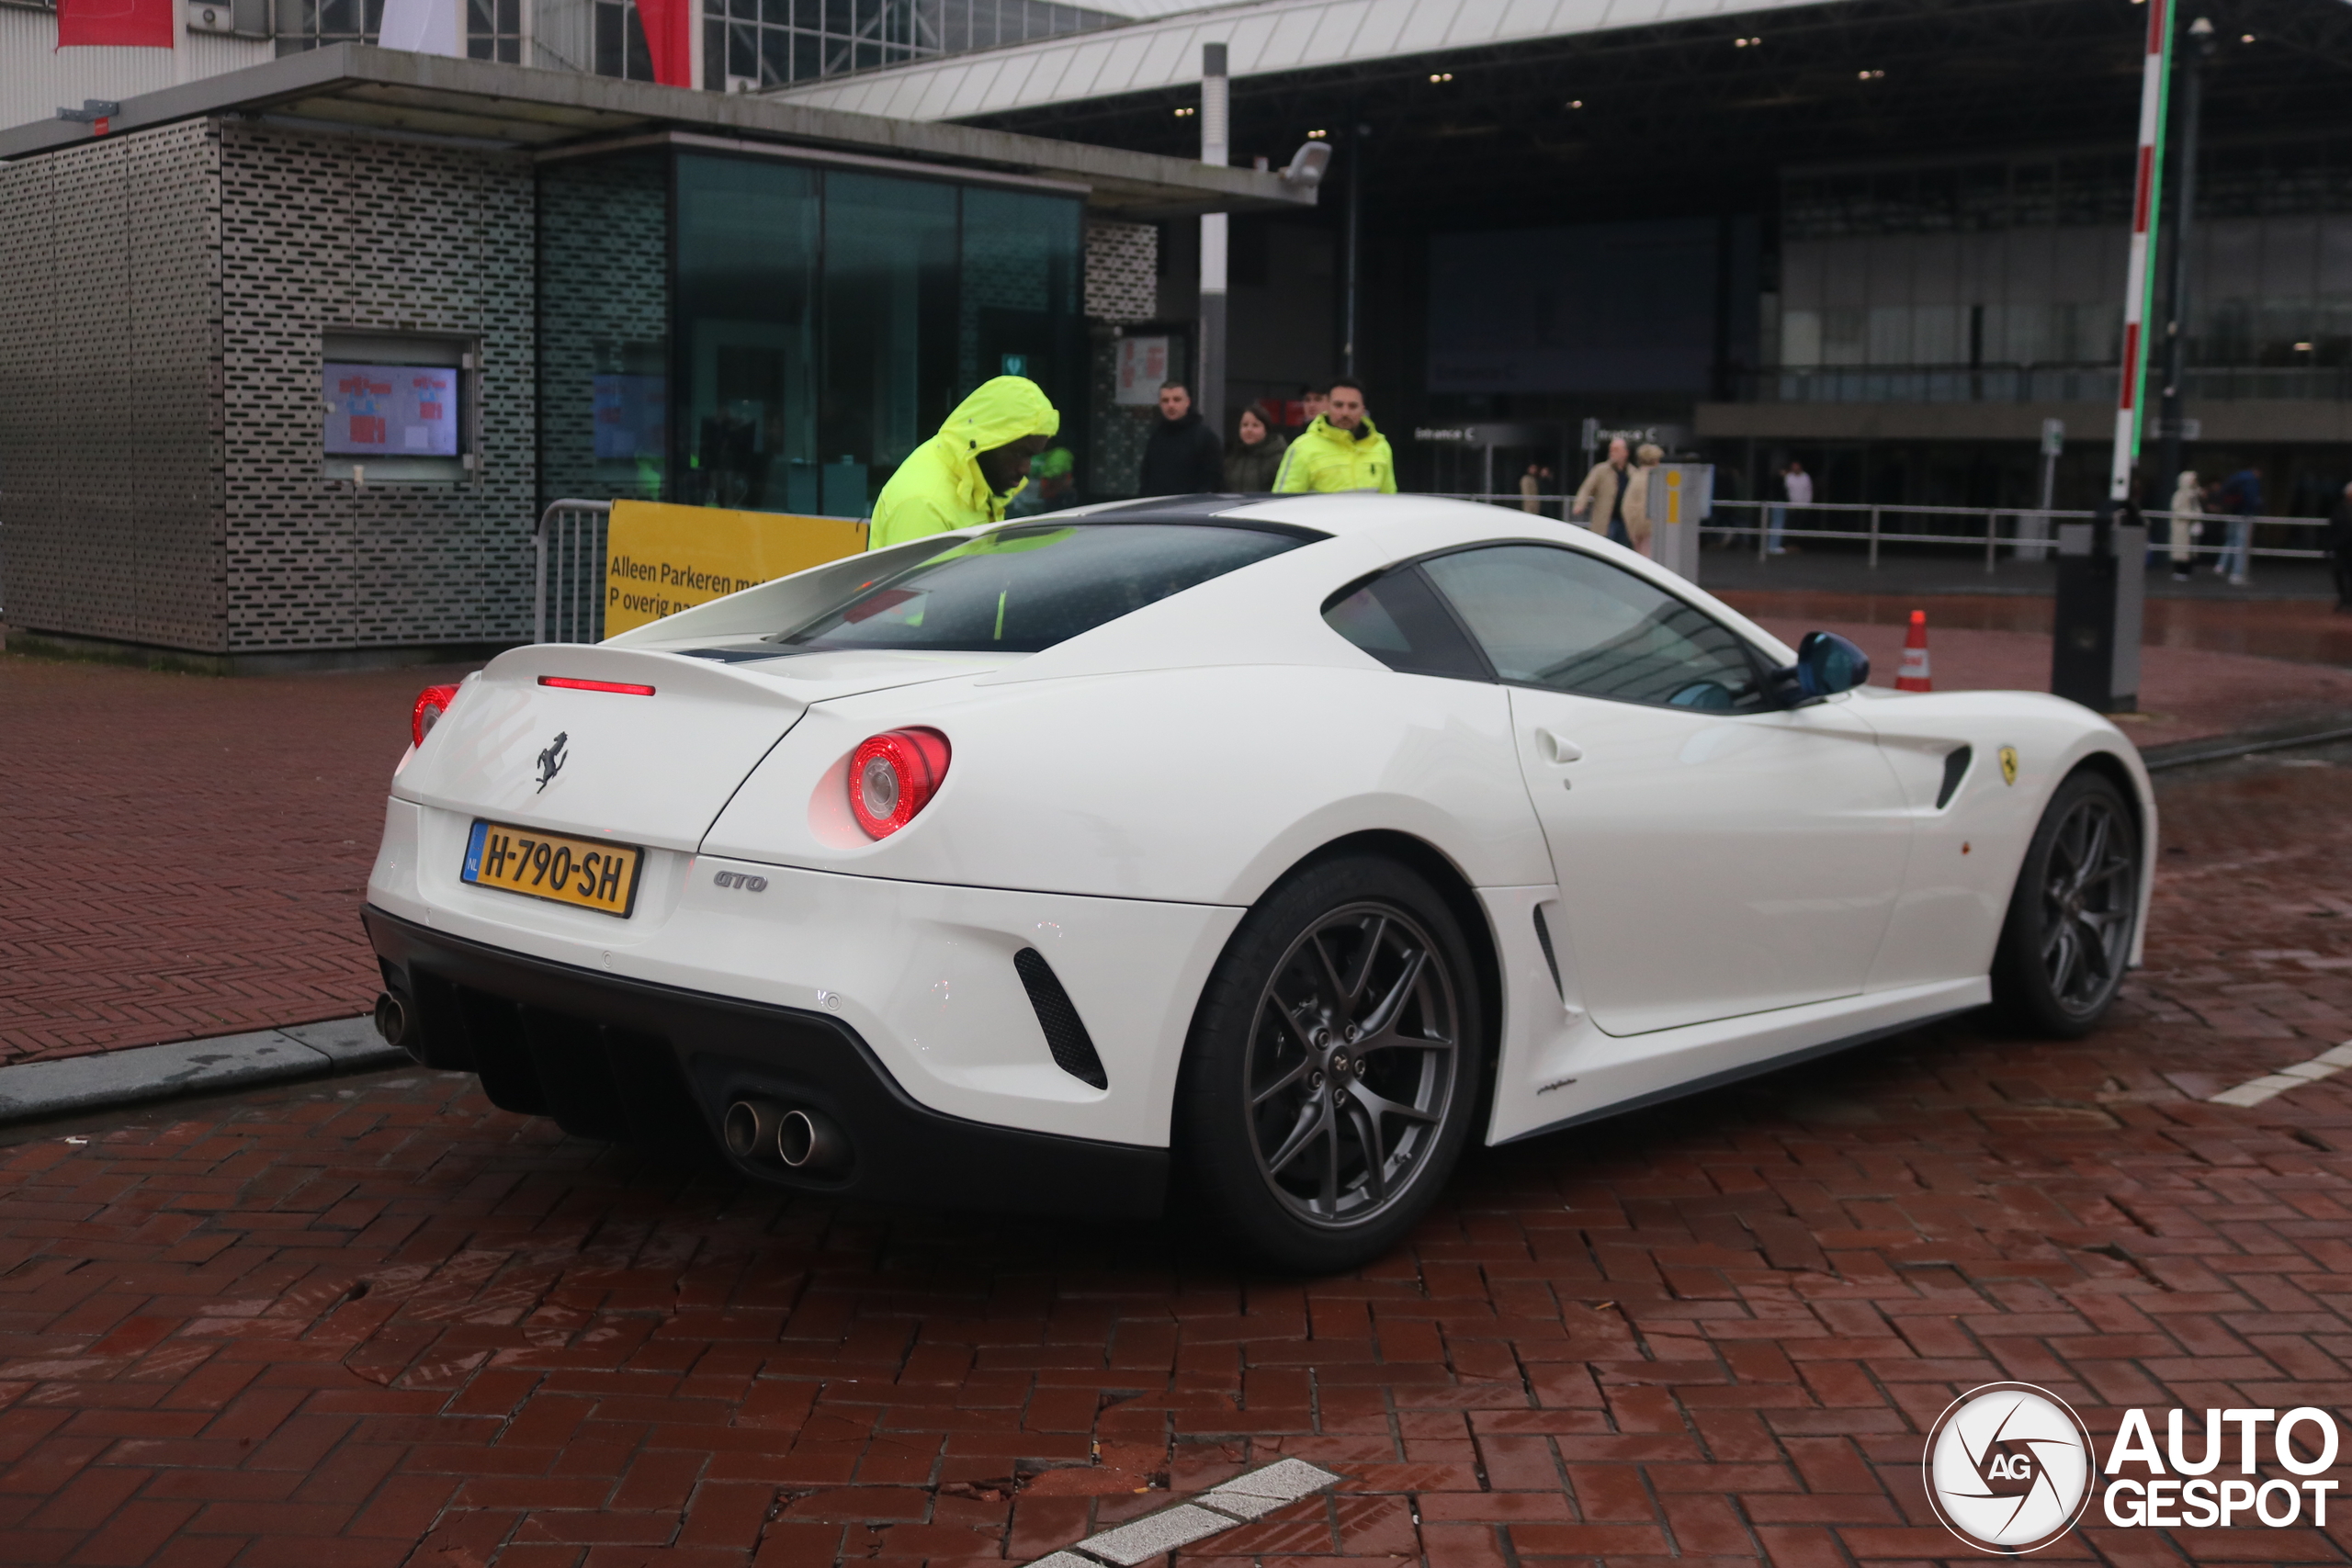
(1184,456)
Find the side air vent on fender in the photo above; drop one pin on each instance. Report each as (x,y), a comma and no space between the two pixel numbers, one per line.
(1955,769)
(1065,1031)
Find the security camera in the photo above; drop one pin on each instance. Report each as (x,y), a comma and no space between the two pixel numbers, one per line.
(1308,163)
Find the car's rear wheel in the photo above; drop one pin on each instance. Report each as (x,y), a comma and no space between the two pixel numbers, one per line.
(2068,934)
(1334,1067)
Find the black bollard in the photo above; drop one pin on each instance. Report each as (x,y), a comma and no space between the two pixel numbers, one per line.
(2102,580)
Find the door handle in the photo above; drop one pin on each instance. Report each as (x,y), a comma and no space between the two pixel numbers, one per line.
(1556,748)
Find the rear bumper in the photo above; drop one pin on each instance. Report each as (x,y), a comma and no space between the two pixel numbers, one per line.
(629,1061)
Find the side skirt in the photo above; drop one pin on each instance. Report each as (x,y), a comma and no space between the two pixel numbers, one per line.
(1734,1075)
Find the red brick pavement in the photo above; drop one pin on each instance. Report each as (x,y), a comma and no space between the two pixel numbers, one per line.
(379,1323)
(184,856)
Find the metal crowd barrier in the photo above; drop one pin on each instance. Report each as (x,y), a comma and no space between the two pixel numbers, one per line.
(568,603)
(2032,533)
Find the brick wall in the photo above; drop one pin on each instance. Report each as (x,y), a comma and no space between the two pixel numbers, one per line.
(324,232)
(603,306)
(1122,271)
(110,468)
(161,475)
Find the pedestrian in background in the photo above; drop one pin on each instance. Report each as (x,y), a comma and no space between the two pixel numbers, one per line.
(1601,501)
(2241,497)
(1531,489)
(1184,456)
(971,470)
(1647,456)
(1796,488)
(1255,458)
(2339,548)
(1341,451)
(2181,540)
(1313,402)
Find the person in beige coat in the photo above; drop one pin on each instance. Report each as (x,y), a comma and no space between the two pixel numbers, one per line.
(1637,500)
(1602,502)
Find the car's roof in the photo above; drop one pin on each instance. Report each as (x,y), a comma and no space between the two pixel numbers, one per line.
(1345,513)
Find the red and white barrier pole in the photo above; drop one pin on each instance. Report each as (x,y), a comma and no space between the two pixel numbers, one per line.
(2139,272)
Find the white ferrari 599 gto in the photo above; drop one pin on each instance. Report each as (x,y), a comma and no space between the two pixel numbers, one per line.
(1258,850)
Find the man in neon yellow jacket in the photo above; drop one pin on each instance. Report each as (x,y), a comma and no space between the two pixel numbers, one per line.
(1341,451)
(963,476)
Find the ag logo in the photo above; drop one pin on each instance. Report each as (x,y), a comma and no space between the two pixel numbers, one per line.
(2009,1467)
(2008,764)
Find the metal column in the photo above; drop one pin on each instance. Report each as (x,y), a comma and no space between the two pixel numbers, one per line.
(1208,392)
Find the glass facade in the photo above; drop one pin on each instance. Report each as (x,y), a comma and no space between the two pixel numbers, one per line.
(766,44)
(493,27)
(753,43)
(752,332)
(1999,279)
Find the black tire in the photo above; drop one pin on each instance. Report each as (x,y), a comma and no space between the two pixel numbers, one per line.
(2072,916)
(1305,1062)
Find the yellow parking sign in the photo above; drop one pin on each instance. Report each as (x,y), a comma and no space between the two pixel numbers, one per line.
(661,558)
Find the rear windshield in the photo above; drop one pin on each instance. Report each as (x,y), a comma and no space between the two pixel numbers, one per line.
(1024,589)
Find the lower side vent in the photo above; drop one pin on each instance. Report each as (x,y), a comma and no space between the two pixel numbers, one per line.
(1065,1032)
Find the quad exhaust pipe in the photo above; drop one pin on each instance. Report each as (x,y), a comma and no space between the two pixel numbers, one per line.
(799,1138)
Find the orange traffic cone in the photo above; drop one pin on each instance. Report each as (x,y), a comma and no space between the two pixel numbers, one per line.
(1913,676)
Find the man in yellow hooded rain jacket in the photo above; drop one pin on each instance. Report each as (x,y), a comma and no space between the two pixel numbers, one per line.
(963,476)
(1341,451)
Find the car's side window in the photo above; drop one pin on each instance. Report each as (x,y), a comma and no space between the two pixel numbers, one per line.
(1561,618)
(1399,620)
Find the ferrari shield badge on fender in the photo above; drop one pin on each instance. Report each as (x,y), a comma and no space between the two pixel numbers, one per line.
(2008,764)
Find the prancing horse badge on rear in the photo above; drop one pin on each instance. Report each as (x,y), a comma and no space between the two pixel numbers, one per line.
(2008,764)
(551,759)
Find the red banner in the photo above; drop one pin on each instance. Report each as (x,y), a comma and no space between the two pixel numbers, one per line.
(146,23)
(669,39)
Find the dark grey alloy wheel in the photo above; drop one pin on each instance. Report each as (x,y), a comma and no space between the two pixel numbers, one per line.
(2068,936)
(1352,1063)
(1335,1067)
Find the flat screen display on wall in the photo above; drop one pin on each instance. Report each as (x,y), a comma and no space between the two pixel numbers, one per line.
(392,410)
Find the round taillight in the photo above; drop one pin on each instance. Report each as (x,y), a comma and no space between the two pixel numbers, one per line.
(431,704)
(893,775)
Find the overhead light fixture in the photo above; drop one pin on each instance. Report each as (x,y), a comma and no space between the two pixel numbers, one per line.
(1576,103)
(2245,38)
(1869,76)
(1186,113)
(1746,42)
(2303,348)
(1440,75)
(1307,164)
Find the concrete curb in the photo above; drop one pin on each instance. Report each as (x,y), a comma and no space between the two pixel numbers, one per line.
(32,1091)
(2221,748)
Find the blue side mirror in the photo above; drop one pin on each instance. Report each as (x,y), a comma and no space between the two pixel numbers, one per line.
(1827,664)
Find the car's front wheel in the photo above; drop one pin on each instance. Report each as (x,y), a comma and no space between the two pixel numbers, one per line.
(1334,1067)
(2068,934)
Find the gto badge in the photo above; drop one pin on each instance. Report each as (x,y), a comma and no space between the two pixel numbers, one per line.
(551,759)
(743,879)
(2008,764)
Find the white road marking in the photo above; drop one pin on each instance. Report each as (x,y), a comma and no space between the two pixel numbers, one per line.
(2254,1091)
(1220,1508)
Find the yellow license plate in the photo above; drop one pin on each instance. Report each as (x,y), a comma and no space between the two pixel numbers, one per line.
(586,873)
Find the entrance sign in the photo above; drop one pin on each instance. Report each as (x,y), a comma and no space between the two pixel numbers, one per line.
(1142,366)
(661,558)
(395,410)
